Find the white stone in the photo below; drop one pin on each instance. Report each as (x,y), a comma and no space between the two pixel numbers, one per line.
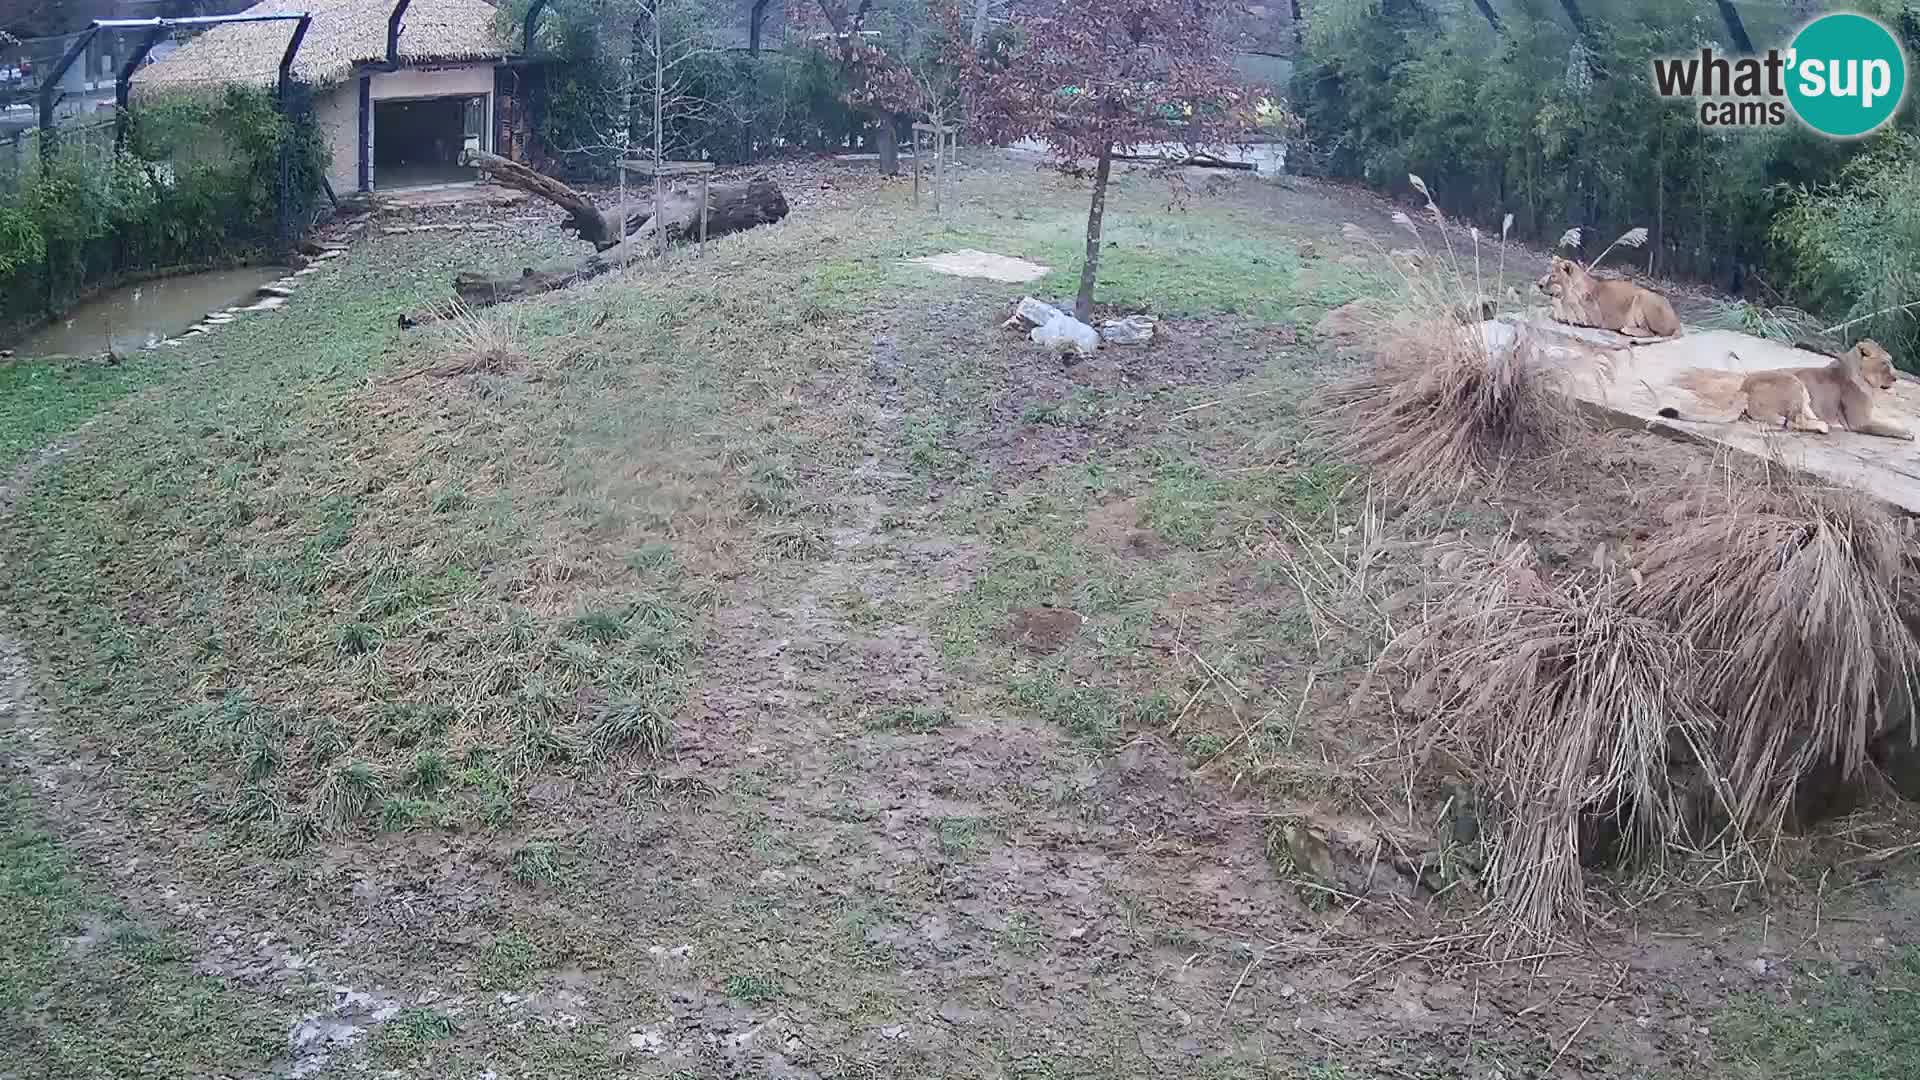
(1065,334)
(1132,330)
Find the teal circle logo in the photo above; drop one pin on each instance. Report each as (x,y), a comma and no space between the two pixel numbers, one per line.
(1846,75)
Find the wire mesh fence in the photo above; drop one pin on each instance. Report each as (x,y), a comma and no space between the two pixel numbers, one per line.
(89,143)
(189,181)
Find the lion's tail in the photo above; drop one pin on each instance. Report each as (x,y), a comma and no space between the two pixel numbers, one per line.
(1721,396)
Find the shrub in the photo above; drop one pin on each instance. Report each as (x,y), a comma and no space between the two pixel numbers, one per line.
(197,181)
(1854,244)
(1559,130)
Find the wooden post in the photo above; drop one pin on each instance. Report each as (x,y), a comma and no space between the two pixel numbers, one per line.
(660,172)
(659,200)
(941,134)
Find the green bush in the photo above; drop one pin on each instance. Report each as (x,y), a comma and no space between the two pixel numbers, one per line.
(1559,131)
(197,181)
(1854,245)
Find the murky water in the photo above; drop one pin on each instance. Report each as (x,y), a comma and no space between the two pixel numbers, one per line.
(137,315)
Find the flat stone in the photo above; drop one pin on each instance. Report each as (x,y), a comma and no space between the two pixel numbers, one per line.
(982,264)
(305,270)
(277,292)
(1132,330)
(1630,381)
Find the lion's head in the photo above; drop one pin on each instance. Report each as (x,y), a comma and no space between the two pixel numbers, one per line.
(1874,363)
(1565,278)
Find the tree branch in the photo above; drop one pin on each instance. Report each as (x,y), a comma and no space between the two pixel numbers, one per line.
(1736,29)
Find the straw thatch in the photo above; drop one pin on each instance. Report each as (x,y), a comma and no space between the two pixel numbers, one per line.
(344,33)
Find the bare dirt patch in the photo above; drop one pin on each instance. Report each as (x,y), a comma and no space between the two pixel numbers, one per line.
(1043,631)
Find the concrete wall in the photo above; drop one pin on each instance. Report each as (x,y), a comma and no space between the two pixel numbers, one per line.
(420,82)
(337,111)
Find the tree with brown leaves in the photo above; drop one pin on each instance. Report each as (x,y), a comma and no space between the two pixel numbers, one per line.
(1095,78)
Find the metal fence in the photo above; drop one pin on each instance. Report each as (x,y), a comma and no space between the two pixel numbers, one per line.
(90,139)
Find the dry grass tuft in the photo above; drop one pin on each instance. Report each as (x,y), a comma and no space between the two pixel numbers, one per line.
(1738,671)
(1570,713)
(1444,401)
(1438,408)
(491,342)
(1790,594)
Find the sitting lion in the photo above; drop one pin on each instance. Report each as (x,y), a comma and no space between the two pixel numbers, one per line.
(1580,299)
(1805,399)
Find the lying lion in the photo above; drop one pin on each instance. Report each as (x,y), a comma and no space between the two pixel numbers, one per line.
(1580,299)
(1805,399)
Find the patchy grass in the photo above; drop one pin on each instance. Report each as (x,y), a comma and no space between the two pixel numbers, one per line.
(1844,1025)
(734,628)
(84,990)
(41,400)
(1200,262)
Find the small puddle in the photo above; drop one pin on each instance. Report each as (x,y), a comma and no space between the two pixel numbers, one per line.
(135,316)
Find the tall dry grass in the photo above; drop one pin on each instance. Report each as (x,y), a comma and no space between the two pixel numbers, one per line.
(1437,409)
(1442,401)
(1791,594)
(1743,663)
(1571,715)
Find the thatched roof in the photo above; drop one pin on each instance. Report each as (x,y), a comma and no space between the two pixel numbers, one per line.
(344,33)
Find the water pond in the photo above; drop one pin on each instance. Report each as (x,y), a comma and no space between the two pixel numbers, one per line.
(135,316)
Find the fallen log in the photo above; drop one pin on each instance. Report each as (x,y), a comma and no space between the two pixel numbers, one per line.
(582,216)
(621,235)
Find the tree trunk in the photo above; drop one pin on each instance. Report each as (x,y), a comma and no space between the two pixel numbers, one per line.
(1578,18)
(754,20)
(887,140)
(1492,16)
(980,10)
(731,208)
(1083,303)
(582,216)
(1736,29)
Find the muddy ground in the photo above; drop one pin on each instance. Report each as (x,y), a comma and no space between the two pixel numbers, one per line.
(998,738)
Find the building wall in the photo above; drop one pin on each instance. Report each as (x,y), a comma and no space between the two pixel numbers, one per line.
(337,111)
(420,82)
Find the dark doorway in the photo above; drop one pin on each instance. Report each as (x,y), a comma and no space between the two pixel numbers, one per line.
(418,141)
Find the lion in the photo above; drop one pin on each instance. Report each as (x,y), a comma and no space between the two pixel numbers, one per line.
(1580,299)
(1806,399)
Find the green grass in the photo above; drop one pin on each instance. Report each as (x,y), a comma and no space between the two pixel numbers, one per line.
(753,988)
(913,719)
(41,400)
(318,617)
(1093,716)
(86,992)
(1201,262)
(1839,1025)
